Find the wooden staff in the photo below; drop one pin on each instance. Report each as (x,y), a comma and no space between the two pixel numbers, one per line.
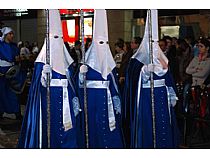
(84,79)
(48,74)
(151,77)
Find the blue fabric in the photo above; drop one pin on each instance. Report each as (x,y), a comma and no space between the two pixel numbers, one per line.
(129,97)
(29,137)
(8,51)
(167,135)
(9,101)
(166,132)
(99,132)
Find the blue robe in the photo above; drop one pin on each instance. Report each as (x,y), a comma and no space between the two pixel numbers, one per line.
(129,95)
(9,101)
(29,137)
(99,133)
(167,134)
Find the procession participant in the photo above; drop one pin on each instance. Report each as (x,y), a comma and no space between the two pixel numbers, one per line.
(64,105)
(103,101)
(143,128)
(12,79)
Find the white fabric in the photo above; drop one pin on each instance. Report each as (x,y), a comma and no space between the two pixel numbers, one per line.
(5,31)
(172,99)
(67,122)
(142,53)
(99,56)
(76,106)
(4,63)
(172,96)
(117,104)
(59,56)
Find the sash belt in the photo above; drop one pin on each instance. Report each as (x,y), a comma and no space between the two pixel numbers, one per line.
(157,83)
(67,122)
(160,83)
(104,85)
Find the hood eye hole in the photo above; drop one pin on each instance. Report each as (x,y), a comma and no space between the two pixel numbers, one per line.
(56,36)
(107,42)
(101,42)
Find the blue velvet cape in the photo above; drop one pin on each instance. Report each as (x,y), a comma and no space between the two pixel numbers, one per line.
(99,133)
(129,97)
(29,136)
(167,134)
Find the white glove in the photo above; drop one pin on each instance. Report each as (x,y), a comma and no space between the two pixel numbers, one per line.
(154,68)
(46,69)
(83,69)
(147,69)
(150,67)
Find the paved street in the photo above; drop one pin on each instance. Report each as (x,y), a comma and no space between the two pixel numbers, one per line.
(9,132)
(195,137)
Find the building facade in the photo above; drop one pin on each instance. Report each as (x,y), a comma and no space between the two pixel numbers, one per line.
(124,24)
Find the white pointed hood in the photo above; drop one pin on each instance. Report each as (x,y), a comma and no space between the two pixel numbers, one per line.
(59,56)
(142,53)
(99,56)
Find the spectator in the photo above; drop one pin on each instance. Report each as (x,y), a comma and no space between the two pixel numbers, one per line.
(174,41)
(27,45)
(135,43)
(9,54)
(127,47)
(77,51)
(171,55)
(88,43)
(184,56)
(126,58)
(24,51)
(199,67)
(35,49)
(163,45)
(76,54)
(119,53)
